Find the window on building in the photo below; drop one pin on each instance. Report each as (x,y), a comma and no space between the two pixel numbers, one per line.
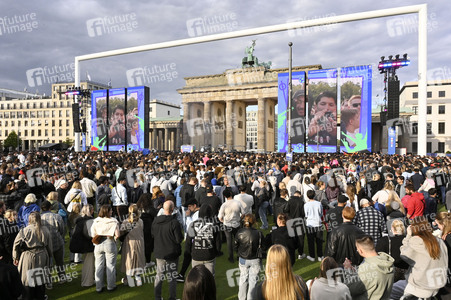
(429,94)
(415,110)
(26,133)
(1,106)
(48,105)
(12,123)
(429,147)
(60,114)
(53,132)
(150,109)
(32,132)
(441,93)
(415,129)
(40,114)
(6,123)
(18,123)
(429,110)
(60,132)
(28,105)
(60,123)
(441,147)
(19,114)
(14,105)
(41,105)
(7,106)
(34,105)
(441,109)
(53,114)
(39,132)
(46,132)
(169,112)
(67,113)
(54,104)
(46,114)
(26,123)
(67,132)
(429,128)
(53,123)
(441,127)
(67,123)
(25,114)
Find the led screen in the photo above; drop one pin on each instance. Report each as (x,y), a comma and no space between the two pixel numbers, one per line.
(355,108)
(117,121)
(137,131)
(99,119)
(298,112)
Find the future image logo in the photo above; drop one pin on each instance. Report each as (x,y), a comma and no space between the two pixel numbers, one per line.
(211,24)
(50,74)
(111,24)
(151,74)
(408,24)
(18,23)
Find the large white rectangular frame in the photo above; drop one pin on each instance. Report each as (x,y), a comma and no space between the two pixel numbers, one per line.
(422,50)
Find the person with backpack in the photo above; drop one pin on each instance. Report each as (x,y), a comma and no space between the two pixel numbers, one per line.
(201,239)
(102,189)
(75,195)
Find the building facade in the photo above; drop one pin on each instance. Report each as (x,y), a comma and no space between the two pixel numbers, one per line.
(38,120)
(165,126)
(438,107)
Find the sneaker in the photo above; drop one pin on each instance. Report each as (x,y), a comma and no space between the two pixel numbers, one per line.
(302,256)
(180,278)
(139,281)
(150,264)
(124,281)
(320,258)
(310,258)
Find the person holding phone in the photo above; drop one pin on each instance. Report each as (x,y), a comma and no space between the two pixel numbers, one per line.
(323,125)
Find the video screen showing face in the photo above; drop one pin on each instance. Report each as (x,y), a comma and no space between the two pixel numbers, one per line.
(298,103)
(135,118)
(99,120)
(355,108)
(117,120)
(322,111)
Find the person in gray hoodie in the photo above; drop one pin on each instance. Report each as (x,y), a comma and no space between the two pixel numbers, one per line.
(374,280)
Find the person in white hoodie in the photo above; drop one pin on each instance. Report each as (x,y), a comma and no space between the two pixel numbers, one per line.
(295,184)
(427,256)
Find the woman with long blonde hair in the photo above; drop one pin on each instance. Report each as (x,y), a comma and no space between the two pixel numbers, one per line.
(443,221)
(423,252)
(281,282)
(394,206)
(133,256)
(353,202)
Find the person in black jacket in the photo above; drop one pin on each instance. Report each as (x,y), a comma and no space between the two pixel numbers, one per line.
(10,284)
(215,203)
(148,214)
(341,243)
(81,242)
(280,203)
(295,210)
(201,239)
(280,236)
(247,242)
(391,245)
(168,236)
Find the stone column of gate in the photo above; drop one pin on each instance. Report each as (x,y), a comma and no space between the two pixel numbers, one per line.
(172,139)
(229,122)
(186,117)
(261,125)
(154,138)
(208,124)
(166,139)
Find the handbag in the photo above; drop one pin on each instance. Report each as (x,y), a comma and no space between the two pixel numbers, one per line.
(97,239)
(259,249)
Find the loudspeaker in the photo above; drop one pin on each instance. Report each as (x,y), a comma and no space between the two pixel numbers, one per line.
(76,117)
(393,100)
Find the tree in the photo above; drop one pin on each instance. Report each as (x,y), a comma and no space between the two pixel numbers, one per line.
(12,140)
(69,142)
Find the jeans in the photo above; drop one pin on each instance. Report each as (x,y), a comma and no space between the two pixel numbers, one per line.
(262,212)
(249,269)
(209,264)
(105,255)
(230,234)
(165,270)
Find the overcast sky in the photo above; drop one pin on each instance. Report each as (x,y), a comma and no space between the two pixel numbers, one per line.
(39,39)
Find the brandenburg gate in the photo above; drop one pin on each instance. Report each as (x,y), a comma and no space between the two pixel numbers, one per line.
(214,107)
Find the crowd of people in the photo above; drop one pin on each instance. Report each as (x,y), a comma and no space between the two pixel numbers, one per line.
(371,220)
